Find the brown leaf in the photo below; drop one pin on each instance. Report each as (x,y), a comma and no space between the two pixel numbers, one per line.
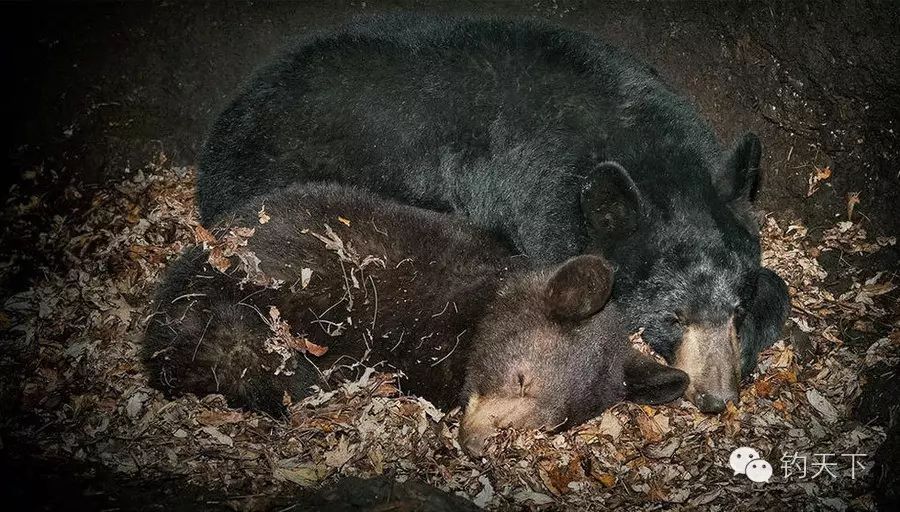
(202,235)
(304,475)
(609,426)
(386,386)
(662,450)
(649,429)
(787,376)
(558,477)
(316,350)
(218,436)
(779,405)
(409,409)
(763,388)
(606,479)
(819,175)
(216,418)
(241,234)
(852,201)
(218,260)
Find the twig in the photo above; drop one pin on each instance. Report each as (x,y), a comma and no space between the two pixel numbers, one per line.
(201,339)
(439,361)
(347,292)
(258,312)
(329,308)
(188,308)
(187,295)
(447,305)
(257,292)
(422,340)
(321,375)
(402,333)
(216,377)
(372,220)
(375,314)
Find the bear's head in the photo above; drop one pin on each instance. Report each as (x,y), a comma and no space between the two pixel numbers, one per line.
(688,267)
(553,352)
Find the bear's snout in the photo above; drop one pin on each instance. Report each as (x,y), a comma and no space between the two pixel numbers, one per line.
(484,416)
(710,355)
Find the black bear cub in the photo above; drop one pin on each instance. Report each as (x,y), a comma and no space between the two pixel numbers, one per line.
(318,276)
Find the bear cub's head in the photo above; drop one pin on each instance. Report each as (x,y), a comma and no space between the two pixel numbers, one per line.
(536,362)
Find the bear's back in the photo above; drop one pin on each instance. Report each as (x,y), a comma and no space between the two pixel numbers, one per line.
(341,268)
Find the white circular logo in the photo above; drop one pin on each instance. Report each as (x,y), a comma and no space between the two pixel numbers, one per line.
(759,470)
(740,457)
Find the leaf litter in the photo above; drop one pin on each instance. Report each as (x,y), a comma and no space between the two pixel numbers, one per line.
(70,342)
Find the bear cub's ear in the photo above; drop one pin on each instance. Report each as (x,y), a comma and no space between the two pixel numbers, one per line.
(611,203)
(579,288)
(739,177)
(648,382)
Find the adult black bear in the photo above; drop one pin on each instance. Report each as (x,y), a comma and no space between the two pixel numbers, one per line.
(432,296)
(506,122)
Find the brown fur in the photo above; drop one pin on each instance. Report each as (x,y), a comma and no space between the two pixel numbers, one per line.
(417,291)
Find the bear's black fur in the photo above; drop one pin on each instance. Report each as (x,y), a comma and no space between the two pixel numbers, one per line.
(431,296)
(504,122)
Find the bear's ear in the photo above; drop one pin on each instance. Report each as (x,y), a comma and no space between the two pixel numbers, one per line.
(611,203)
(579,288)
(648,382)
(739,177)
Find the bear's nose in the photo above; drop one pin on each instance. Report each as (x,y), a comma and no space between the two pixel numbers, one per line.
(712,403)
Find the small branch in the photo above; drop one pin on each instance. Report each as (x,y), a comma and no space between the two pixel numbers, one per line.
(201,340)
(439,361)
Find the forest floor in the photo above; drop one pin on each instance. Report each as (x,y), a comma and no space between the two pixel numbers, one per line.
(85,396)
(87,225)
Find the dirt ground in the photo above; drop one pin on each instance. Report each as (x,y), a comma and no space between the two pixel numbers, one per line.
(99,92)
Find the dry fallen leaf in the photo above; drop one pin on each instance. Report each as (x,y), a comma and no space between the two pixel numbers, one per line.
(215,418)
(218,436)
(650,429)
(202,235)
(606,479)
(609,425)
(486,495)
(852,201)
(316,350)
(305,475)
(558,477)
(305,276)
(821,404)
(662,450)
(819,175)
(116,251)
(340,455)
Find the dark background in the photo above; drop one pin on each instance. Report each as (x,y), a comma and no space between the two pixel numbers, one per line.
(96,90)
(100,87)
